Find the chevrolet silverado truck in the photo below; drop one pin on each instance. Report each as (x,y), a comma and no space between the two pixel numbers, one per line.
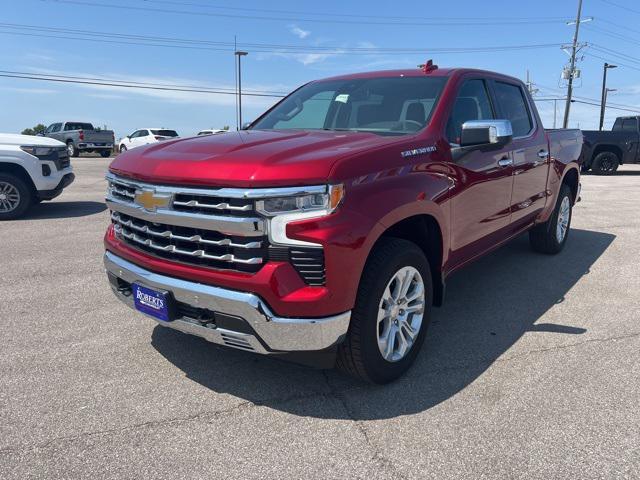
(82,137)
(328,228)
(605,151)
(32,169)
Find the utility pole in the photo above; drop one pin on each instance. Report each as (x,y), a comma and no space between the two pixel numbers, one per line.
(239,54)
(531,86)
(572,68)
(603,101)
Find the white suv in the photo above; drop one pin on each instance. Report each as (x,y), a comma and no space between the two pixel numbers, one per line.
(32,169)
(145,136)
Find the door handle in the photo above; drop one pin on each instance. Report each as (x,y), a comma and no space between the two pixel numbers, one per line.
(505,162)
(544,154)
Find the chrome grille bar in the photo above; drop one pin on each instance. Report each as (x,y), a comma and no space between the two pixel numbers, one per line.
(217,206)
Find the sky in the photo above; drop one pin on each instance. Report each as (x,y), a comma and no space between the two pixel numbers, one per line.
(321,38)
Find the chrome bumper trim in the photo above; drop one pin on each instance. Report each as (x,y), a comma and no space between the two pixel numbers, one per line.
(276,334)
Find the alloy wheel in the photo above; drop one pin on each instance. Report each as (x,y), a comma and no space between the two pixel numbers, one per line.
(400,314)
(563,219)
(9,197)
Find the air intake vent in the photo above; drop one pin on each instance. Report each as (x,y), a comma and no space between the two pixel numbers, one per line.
(309,263)
(236,341)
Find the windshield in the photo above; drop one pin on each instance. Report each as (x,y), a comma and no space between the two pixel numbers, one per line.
(165,133)
(386,106)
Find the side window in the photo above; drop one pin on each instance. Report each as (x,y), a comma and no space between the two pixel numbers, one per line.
(135,134)
(49,129)
(143,133)
(56,127)
(472,103)
(629,125)
(513,104)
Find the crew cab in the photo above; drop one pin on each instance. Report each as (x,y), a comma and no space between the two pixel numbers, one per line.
(328,228)
(604,152)
(32,169)
(82,137)
(145,136)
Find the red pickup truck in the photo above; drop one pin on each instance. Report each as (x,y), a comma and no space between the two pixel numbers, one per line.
(327,228)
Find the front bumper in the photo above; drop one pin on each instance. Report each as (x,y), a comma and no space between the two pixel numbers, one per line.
(237,319)
(66,180)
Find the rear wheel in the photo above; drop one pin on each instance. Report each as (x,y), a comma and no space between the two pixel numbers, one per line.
(15,197)
(605,163)
(391,315)
(550,237)
(72,150)
(105,153)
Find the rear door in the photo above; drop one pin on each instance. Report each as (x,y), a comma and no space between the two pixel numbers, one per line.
(529,151)
(483,179)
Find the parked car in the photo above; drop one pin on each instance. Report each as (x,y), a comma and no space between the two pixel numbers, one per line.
(328,228)
(145,136)
(605,151)
(211,132)
(32,169)
(82,137)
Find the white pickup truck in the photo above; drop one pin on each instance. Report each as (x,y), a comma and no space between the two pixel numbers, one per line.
(32,169)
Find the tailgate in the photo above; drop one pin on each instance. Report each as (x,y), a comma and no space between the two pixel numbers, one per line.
(105,136)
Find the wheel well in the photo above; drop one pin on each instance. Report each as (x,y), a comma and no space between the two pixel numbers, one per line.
(18,171)
(424,231)
(607,148)
(571,180)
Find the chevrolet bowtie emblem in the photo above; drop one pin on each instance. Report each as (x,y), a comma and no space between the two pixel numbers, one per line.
(150,200)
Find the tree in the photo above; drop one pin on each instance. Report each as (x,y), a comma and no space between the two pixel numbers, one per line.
(38,129)
(226,127)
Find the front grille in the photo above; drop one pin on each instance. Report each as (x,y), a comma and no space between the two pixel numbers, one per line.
(190,245)
(212,205)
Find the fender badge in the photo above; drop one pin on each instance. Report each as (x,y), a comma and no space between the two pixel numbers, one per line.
(418,151)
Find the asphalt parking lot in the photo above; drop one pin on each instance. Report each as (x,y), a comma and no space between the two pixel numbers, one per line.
(531,369)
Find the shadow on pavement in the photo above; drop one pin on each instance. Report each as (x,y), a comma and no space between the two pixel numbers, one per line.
(489,306)
(47,210)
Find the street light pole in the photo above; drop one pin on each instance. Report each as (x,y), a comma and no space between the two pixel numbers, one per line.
(240,54)
(603,102)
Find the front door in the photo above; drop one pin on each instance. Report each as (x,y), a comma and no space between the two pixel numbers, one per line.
(483,181)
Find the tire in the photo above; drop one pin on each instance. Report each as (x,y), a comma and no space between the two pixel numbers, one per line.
(105,153)
(15,197)
(122,149)
(361,354)
(71,148)
(605,163)
(546,238)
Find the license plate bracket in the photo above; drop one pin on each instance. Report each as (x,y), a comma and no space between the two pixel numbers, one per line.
(155,303)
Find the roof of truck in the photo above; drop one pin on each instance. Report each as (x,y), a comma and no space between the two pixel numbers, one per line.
(416,72)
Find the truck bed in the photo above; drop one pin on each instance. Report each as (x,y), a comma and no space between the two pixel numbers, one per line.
(565,144)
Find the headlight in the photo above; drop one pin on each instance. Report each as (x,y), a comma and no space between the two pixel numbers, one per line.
(284,210)
(37,151)
(323,203)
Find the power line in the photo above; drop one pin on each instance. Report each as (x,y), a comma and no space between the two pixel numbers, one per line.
(118,84)
(171,42)
(382,22)
(624,7)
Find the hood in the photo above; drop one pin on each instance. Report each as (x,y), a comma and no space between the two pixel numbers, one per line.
(249,158)
(15,139)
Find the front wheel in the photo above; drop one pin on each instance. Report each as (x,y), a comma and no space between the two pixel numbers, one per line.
(15,197)
(122,149)
(391,315)
(551,236)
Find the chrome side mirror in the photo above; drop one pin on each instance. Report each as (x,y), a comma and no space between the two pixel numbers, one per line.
(492,133)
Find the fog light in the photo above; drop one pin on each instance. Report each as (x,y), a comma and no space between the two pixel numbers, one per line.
(46,171)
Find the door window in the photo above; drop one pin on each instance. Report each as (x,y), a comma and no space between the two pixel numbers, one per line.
(514,107)
(629,125)
(136,134)
(56,127)
(472,103)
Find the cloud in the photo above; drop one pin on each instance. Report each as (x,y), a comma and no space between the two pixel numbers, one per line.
(299,32)
(33,91)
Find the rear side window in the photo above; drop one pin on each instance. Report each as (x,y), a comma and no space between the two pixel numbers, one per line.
(165,133)
(472,103)
(514,107)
